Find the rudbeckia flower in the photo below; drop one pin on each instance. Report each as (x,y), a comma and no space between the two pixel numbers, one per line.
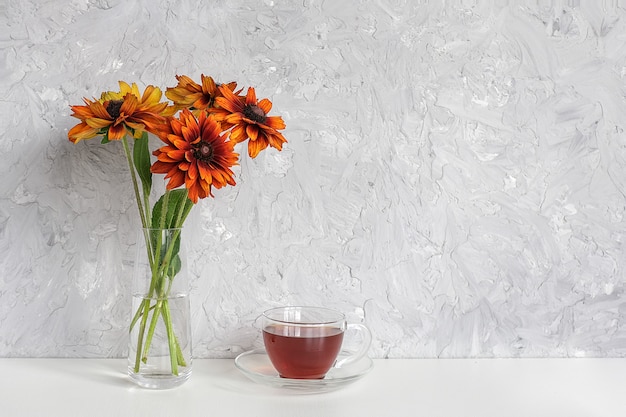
(126,88)
(196,155)
(188,94)
(118,114)
(249,120)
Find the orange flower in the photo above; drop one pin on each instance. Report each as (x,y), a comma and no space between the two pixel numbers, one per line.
(250,120)
(189,94)
(195,154)
(118,114)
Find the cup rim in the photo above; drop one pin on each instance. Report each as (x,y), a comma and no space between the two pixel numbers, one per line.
(339,316)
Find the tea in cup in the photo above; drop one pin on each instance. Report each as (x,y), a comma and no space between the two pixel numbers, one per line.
(304,342)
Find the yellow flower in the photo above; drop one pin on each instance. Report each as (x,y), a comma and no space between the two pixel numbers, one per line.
(124,89)
(119,113)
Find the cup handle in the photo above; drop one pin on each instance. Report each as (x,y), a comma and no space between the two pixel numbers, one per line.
(367,340)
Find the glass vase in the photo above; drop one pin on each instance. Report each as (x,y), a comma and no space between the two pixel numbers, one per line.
(159,354)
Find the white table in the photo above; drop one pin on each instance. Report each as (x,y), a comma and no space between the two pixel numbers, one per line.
(395,387)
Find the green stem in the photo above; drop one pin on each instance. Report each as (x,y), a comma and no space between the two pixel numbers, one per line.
(155,286)
(171,338)
(159,265)
(138,314)
(159,276)
(179,354)
(133,175)
(143,213)
(145,304)
(167,259)
(146,200)
(144,308)
(166,200)
(153,323)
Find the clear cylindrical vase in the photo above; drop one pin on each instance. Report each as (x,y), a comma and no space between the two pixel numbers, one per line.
(159,354)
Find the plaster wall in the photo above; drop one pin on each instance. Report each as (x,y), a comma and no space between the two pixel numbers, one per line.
(454,176)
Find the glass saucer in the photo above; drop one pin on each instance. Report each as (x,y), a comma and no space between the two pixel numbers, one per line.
(256,365)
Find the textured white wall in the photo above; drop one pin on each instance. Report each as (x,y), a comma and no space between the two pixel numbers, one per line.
(455,173)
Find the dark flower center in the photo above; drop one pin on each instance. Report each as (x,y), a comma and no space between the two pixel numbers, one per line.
(254,113)
(203,151)
(113,108)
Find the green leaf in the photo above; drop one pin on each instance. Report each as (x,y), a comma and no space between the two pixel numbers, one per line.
(165,251)
(169,210)
(141,159)
(175,263)
(175,203)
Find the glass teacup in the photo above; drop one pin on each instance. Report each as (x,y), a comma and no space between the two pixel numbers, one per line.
(304,342)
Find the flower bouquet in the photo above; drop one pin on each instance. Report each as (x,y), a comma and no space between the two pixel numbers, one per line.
(199,129)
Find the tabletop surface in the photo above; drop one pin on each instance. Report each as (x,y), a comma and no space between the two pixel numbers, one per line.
(394,387)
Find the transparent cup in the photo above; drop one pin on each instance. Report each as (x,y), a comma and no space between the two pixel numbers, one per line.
(304,342)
